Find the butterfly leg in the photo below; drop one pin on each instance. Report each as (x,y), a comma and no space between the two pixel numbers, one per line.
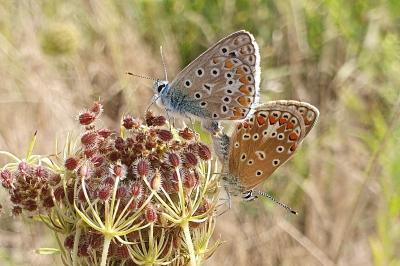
(229,199)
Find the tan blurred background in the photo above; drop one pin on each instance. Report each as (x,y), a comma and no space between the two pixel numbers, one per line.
(56,57)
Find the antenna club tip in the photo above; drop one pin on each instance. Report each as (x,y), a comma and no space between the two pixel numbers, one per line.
(294,212)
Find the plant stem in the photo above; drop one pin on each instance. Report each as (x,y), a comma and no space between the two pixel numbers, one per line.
(76,244)
(189,243)
(104,254)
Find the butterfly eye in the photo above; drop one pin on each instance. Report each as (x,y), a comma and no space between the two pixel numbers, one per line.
(160,88)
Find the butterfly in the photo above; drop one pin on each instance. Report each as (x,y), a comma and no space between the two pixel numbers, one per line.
(262,143)
(220,84)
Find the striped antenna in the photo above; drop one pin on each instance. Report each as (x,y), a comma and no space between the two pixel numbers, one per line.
(140,76)
(266,195)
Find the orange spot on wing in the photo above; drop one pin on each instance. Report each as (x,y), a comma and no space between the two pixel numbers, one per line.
(245,90)
(261,120)
(272,119)
(244,101)
(239,126)
(293,147)
(245,125)
(282,121)
(240,72)
(307,122)
(293,136)
(236,112)
(228,64)
(244,80)
(289,125)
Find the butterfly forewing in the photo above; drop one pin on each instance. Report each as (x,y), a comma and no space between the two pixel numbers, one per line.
(223,81)
(264,142)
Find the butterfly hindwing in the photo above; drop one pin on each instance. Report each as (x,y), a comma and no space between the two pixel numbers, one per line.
(222,83)
(266,140)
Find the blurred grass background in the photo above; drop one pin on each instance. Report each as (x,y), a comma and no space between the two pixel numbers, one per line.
(342,56)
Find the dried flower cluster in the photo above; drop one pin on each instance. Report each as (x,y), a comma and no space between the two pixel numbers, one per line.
(143,196)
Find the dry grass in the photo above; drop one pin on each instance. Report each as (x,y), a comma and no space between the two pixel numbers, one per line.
(343,58)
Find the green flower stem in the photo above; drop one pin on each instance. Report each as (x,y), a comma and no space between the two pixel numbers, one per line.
(106,245)
(76,244)
(189,243)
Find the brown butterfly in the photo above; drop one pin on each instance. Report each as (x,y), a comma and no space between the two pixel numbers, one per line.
(262,143)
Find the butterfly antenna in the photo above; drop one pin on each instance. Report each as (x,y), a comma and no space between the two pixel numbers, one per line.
(163,62)
(140,76)
(266,195)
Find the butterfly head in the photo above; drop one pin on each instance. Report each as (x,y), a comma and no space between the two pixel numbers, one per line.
(160,86)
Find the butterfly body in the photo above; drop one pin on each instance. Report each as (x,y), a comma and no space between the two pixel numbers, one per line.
(221,84)
(263,142)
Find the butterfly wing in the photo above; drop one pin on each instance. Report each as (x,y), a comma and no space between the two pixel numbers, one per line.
(264,142)
(222,83)
(309,112)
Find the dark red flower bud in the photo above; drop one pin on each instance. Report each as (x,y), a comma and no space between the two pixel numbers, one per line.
(97,160)
(48,202)
(174,159)
(54,179)
(114,156)
(204,152)
(23,167)
(16,210)
(119,144)
(164,134)
(149,117)
(136,189)
(159,121)
(89,138)
(150,145)
(86,118)
(121,192)
(30,205)
(186,133)
(6,179)
(71,163)
(109,180)
(129,122)
(190,158)
(150,214)
(104,133)
(104,192)
(142,167)
(69,242)
(189,180)
(59,193)
(97,108)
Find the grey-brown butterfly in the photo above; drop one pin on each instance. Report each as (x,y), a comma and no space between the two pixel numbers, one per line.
(220,84)
(262,143)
